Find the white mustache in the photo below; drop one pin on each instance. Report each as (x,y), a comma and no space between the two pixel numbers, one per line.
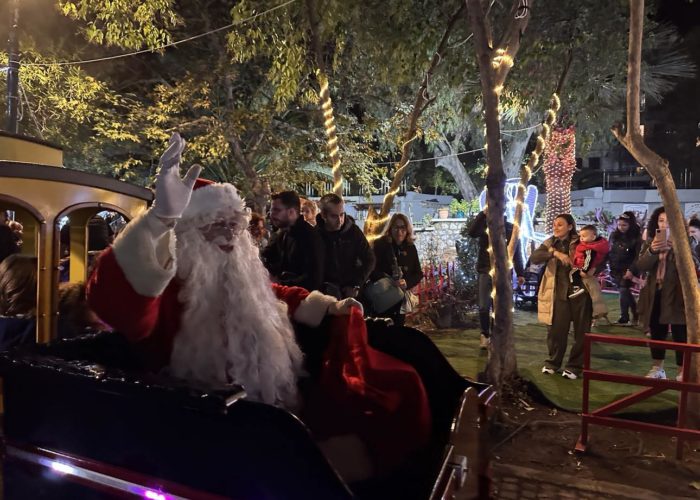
(221,241)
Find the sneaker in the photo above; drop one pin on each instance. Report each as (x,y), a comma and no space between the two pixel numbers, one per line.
(594,323)
(578,290)
(547,370)
(635,320)
(656,372)
(485,342)
(569,374)
(679,377)
(622,322)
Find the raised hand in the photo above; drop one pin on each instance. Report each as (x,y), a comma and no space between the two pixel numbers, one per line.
(173,193)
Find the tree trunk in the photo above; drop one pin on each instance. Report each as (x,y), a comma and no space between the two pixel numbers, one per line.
(658,169)
(528,167)
(258,187)
(422,101)
(514,157)
(494,66)
(325,97)
(542,138)
(456,169)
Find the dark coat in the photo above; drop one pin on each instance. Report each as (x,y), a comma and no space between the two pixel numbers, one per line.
(15,330)
(477,229)
(294,256)
(405,255)
(672,310)
(623,252)
(348,257)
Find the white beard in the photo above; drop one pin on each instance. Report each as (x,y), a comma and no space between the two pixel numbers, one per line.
(233,329)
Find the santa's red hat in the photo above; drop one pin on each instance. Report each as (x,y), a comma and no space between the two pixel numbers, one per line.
(211,200)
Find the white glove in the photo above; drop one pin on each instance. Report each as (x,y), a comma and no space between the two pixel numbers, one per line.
(172,193)
(343,307)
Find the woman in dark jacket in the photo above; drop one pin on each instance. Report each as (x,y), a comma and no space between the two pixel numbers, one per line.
(661,300)
(397,258)
(625,244)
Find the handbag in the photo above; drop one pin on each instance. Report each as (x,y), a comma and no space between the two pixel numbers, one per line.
(410,302)
(383,294)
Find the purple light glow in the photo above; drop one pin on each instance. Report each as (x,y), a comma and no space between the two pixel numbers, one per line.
(154,495)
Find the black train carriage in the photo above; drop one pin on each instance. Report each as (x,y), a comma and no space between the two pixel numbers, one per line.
(82,421)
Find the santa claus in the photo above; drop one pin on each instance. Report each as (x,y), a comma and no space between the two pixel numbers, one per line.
(184,283)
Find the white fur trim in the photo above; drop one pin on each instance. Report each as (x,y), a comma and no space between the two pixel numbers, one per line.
(145,251)
(313,308)
(211,201)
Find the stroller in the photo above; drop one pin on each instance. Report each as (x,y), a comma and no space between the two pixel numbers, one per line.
(525,295)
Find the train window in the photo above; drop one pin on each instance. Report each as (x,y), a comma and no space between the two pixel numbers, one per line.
(85,234)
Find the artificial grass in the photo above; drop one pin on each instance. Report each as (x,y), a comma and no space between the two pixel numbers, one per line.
(462,349)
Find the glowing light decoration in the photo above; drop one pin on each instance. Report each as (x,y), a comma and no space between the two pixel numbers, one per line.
(559,165)
(62,468)
(331,133)
(527,228)
(527,168)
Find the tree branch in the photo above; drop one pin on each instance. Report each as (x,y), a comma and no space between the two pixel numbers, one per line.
(419,105)
(510,41)
(634,65)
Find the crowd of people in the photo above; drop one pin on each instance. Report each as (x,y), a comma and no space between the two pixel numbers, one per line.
(323,249)
(320,248)
(569,291)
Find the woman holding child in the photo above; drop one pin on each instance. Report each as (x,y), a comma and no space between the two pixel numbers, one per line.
(557,305)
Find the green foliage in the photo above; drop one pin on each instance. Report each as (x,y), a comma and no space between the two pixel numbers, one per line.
(457,206)
(247,99)
(124,23)
(466,277)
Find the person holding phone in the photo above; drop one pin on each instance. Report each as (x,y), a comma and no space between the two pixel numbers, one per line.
(661,300)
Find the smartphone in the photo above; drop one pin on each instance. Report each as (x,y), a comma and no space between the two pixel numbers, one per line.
(661,235)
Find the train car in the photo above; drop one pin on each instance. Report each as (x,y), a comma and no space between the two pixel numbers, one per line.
(83,420)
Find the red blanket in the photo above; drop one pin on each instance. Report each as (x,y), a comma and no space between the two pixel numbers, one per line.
(382,394)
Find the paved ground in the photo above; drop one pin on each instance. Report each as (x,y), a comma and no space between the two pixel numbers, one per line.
(514,483)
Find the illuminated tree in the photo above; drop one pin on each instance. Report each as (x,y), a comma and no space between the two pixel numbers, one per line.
(495,61)
(559,165)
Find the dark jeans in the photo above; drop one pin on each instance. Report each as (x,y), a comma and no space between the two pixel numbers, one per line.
(627,301)
(660,332)
(484,300)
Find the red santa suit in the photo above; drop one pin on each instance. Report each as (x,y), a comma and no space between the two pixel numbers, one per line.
(217,318)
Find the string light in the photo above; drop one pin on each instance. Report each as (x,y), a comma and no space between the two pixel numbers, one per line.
(528,167)
(331,132)
(502,58)
(377,224)
(559,165)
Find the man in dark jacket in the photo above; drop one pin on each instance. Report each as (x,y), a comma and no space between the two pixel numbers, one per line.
(294,256)
(477,229)
(348,257)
